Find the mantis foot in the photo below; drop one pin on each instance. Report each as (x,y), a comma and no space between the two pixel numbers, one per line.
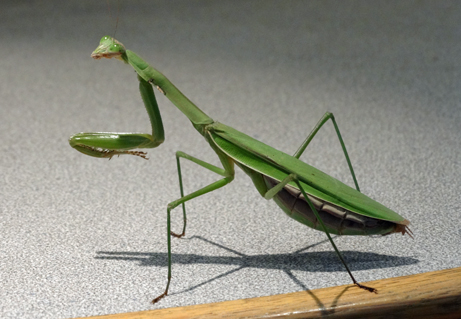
(177,235)
(159,297)
(370,289)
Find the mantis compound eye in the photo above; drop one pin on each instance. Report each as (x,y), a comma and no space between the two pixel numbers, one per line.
(115,47)
(104,39)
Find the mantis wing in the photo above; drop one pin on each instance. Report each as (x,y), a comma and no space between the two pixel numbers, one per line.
(276,164)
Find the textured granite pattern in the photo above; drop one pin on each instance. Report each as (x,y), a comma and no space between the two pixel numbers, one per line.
(83,236)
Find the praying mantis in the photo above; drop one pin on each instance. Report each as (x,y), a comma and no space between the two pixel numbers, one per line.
(303,192)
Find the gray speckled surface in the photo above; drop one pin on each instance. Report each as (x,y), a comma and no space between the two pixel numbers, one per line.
(82,236)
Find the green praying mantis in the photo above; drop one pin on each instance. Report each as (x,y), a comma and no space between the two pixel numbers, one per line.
(303,192)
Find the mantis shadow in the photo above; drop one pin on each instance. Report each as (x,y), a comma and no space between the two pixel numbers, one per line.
(325,261)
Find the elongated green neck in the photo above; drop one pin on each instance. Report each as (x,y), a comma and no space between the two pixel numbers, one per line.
(149,74)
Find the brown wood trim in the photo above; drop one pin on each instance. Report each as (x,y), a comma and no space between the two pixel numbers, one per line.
(434,294)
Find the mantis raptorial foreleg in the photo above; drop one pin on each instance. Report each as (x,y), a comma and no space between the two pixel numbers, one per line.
(107,144)
(311,135)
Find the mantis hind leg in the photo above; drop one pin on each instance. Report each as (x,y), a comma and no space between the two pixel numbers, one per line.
(292,177)
(227,172)
(327,116)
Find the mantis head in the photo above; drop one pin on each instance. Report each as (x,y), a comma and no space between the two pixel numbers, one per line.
(109,48)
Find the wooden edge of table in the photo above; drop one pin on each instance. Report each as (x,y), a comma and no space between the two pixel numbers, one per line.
(434,294)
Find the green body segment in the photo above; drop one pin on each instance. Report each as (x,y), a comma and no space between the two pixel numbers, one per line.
(118,141)
(148,73)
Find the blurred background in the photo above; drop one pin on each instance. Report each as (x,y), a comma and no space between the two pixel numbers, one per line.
(81,236)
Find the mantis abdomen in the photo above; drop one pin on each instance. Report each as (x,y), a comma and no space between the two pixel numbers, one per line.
(337,219)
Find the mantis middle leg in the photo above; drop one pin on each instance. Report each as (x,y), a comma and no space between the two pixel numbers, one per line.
(227,172)
(327,116)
